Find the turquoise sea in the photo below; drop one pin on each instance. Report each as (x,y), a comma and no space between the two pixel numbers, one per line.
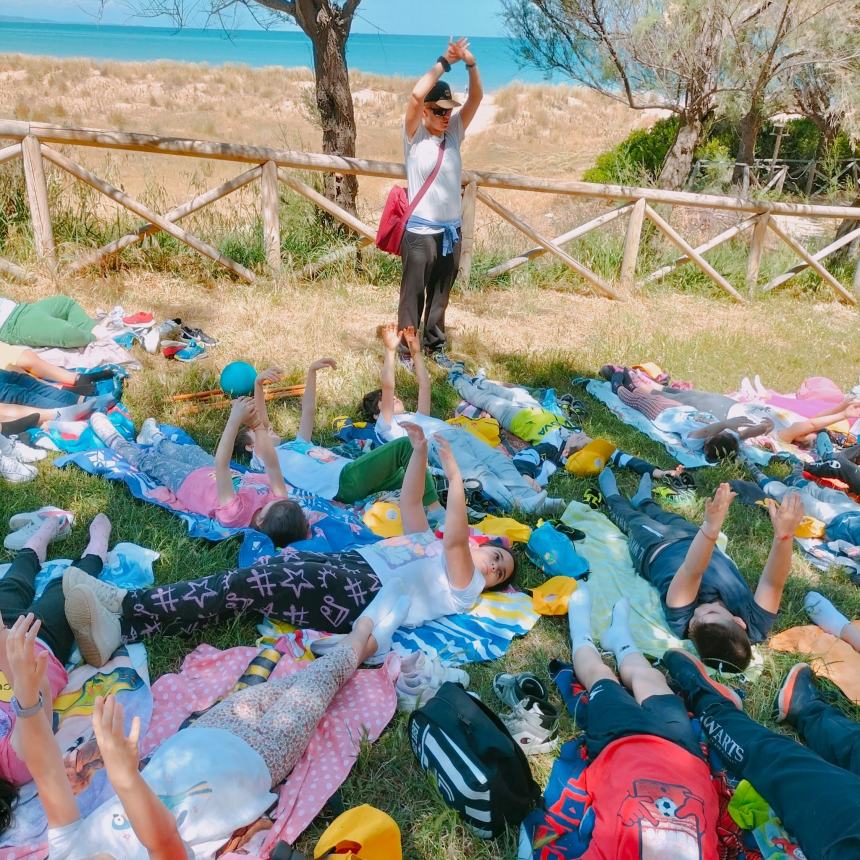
(408,56)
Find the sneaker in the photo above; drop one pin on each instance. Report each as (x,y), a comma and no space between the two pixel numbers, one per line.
(149,432)
(192,352)
(17,539)
(142,319)
(19,451)
(16,521)
(420,678)
(96,628)
(152,340)
(188,333)
(533,723)
(690,674)
(798,690)
(16,472)
(110,596)
(512,689)
(593,498)
(406,362)
(444,360)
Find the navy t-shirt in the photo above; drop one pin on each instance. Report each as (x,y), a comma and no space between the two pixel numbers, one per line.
(721,581)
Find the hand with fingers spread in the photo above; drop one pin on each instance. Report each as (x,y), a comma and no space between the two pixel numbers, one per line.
(410,338)
(415,434)
(119,752)
(717,508)
(785,517)
(389,336)
(26,665)
(322,364)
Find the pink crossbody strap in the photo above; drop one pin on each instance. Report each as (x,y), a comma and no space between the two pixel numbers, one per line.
(427,182)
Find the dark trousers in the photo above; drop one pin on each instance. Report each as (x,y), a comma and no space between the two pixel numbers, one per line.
(18,588)
(847,469)
(647,527)
(322,591)
(425,286)
(817,801)
(22,389)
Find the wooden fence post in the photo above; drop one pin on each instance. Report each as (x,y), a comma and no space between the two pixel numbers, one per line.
(37,195)
(756,248)
(855,284)
(271,218)
(467,245)
(631,244)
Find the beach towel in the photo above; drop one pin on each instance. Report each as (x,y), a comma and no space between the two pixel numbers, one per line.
(334,528)
(828,656)
(362,709)
(603,392)
(100,352)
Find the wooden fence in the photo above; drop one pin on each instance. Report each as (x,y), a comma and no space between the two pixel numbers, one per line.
(35,144)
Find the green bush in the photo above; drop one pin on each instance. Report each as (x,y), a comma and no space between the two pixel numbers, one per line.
(638,158)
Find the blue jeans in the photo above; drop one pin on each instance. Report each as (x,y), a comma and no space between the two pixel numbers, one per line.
(22,389)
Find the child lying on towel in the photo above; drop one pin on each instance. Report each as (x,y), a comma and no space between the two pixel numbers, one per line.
(209,779)
(555,441)
(320,471)
(207,485)
(499,478)
(703,593)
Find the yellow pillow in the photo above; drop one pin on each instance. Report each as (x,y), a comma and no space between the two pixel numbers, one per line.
(383,519)
(590,460)
(552,597)
(362,833)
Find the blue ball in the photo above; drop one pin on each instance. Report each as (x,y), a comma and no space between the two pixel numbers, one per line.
(237,379)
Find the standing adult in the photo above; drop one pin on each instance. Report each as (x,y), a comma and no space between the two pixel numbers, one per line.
(430,248)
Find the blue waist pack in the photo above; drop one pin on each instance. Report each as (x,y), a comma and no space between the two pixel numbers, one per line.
(555,554)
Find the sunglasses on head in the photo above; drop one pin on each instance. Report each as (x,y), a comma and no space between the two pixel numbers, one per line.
(437,111)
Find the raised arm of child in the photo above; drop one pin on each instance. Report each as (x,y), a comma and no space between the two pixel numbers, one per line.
(412,510)
(410,336)
(785,519)
(271,374)
(458,557)
(242,412)
(151,820)
(390,340)
(800,429)
(33,737)
(684,587)
(309,400)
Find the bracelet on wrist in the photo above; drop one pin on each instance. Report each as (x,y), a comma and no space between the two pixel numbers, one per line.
(471,65)
(31,711)
(711,539)
(444,63)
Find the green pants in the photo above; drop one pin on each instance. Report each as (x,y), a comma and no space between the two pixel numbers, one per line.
(58,321)
(380,469)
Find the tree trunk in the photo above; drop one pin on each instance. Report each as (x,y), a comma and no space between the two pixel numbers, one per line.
(334,102)
(679,161)
(750,126)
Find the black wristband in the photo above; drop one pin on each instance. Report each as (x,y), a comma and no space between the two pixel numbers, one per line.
(471,66)
(444,63)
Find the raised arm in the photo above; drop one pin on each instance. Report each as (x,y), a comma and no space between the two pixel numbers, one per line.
(476,90)
(309,400)
(412,490)
(684,587)
(785,518)
(152,822)
(458,557)
(269,375)
(33,737)
(390,340)
(423,86)
(820,422)
(410,336)
(242,412)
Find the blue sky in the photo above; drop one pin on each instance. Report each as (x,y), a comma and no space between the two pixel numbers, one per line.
(426,17)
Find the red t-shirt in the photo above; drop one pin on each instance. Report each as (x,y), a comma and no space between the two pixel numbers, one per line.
(652,800)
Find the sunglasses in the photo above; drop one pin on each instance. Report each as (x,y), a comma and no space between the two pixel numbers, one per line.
(437,111)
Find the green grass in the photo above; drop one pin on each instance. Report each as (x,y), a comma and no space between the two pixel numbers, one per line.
(386,774)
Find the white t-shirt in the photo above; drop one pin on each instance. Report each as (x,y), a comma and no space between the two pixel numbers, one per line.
(210,796)
(418,560)
(6,308)
(308,467)
(683,420)
(442,200)
(427,423)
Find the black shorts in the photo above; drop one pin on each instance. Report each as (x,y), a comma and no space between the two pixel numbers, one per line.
(613,714)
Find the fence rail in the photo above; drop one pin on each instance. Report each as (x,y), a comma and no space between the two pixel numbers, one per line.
(276,167)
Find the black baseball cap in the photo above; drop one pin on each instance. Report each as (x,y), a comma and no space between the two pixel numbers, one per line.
(440,94)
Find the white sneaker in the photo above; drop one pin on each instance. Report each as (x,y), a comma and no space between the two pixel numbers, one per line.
(151,340)
(14,471)
(533,725)
(16,521)
(110,596)
(149,432)
(17,539)
(97,629)
(19,451)
(419,679)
